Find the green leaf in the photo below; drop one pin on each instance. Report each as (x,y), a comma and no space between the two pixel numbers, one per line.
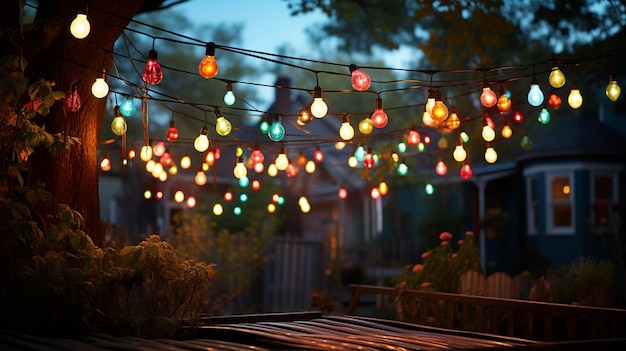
(78,241)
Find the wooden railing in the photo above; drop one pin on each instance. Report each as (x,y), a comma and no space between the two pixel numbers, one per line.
(518,318)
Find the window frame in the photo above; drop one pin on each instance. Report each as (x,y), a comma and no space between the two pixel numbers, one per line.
(551,229)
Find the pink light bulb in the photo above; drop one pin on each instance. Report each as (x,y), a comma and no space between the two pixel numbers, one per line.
(72,102)
(488,98)
(152,73)
(441,168)
(360,80)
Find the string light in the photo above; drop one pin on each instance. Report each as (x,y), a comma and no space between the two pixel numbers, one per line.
(118,124)
(159,149)
(556,78)
(453,121)
(575,99)
(201,143)
(80,26)
(506,132)
(318,155)
(365,126)
(441,168)
(413,138)
(152,72)
(72,101)
(360,80)
(488,98)
(544,116)
(304,115)
(491,155)
(346,132)
(379,117)
(554,101)
(240,169)
(105,164)
(172,133)
(504,103)
(282,162)
(145,154)
(613,90)
(466,171)
(319,109)
(277,131)
(264,127)
(127,107)
(100,88)
(459,153)
(223,126)
(229,96)
(439,111)
(208,67)
(535,95)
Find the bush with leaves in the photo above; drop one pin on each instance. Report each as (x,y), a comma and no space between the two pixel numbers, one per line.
(441,270)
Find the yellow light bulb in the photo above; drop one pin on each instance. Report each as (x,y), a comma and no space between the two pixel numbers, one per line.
(575,99)
(185,162)
(218,209)
(366,126)
(346,132)
(272,170)
(613,90)
(145,154)
(163,176)
(223,127)
(118,125)
(200,178)
(179,196)
(201,143)
(281,162)
(507,132)
(240,169)
(459,153)
(100,88)
(173,170)
(150,166)
(453,122)
(491,155)
(352,162)
(556,78)
(310,166)
(319,109)
(488,133)
(439,111)
(80,26)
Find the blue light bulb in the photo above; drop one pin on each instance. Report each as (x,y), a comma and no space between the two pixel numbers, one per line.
(535,95)
(544,116)
(359,153)
(402,169)
(277,131)
(229,97)
(127,108)
(244,182)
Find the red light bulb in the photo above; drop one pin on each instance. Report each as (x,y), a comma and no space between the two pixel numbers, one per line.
(342,193)
(172,132)
(488,98)
(466,171)
(166,159)
(379,117)
(257,156)
(72,102)
(360,80)
(256,184)
(413,138)
(228,196)
(518,117)
(554,101)
(441,168)
(318,155)
(368,161)
(152,73)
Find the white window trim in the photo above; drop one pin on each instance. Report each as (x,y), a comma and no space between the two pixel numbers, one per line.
(550,228)
(611,173)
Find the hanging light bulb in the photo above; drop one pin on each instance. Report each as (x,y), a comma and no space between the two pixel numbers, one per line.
(413,138)
(310,167)
(132,153)
(360,80)
(240,169)
(554,101)
(556,77)
(185,162)
(72,102)
(257,156)
(526,143)
(506,131)
(402,169)
(535,95)
(282,162)
(466,171)
(159,149)
(428,120)
(301,159)
(613,91)
(272,170)
(179,196)
(152,72)
(172,132)
(368,160)
(304,115)
(150,166)
(292,170)
(352,162)
(256,185)
(229,96)
(488,133)
(442,143)
(173,170)
(544,116)
(118,125)
(430,102)
(318,155)
(401,146)
(504,103)
(223,127)
(359,153)
(80,26)
(145,154)
(209,158)
(201,143)
(383,188)
(157,170)
(342,193)
(208,67)
(166,159)
(453,121)
(100,88)
(488,98)
(439,111)
(518,117)
(490,154)
(277,131)
(127,107)
(575,99)
(319,109)
(200,178)
(441,168)
(459,152)
(379,117)
(346,132)
(365,126)
(105,164)
(264,127)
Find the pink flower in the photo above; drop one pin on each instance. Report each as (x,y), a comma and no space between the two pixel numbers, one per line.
(445,236)
(469,233)
(418,267)
(425,254)
(425,284)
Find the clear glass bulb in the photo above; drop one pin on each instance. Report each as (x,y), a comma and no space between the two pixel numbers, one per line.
(491,155)
(223,127)
(272,170)
(304,116)
(428,120)
(488,97)
(218,209)
(281,162)
(613,90)
(319,109)
(80,26)
(535,95)
(240,170)
(353,162)
(145,154)
(185,162)
(208,66)
(100,88)
(179,196)
(556,78)
(459,153)
(488,133)
(506,132)
(310,166)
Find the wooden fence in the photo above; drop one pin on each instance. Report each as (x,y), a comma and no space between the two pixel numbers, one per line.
(511,317)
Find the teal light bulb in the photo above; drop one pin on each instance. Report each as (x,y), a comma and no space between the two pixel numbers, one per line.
(237,211)
(264,127)
(402,169)
(244,181)
(243,197)
(429,189)
(359,153)
(401,147)
(229,96)
(535,95)
(544,116)
(277,131)
(127,108)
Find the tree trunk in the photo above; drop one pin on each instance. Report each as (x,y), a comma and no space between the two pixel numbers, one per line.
(54,54)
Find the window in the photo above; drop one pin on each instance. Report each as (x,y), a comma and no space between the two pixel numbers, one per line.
(560,219)
(532,208)
(604,200)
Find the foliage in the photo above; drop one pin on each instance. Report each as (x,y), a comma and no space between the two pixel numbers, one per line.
(579,278)
(53,279)
(240,250)
(440,271)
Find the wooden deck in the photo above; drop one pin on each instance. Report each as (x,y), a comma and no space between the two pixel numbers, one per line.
(511,317)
